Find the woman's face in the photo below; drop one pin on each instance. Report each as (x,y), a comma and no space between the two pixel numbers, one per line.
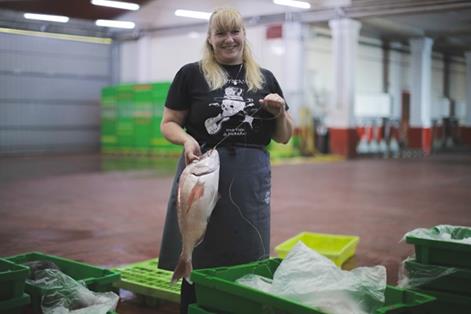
(228,46)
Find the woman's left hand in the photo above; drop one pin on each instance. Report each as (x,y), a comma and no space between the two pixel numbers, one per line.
(273,103)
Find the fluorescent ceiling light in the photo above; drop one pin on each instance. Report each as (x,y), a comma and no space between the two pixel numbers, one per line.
(293,3)
(116,4)
(46,17)
(193,14)
(116,24)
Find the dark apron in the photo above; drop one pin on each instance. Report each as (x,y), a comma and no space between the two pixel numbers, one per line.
(239,228)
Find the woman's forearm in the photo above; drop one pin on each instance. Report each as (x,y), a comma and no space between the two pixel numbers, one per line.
(283,128)
(174,133)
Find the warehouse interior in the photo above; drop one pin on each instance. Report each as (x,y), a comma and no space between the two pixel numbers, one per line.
(379,91)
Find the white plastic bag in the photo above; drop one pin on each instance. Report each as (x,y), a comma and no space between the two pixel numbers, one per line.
(309,278)
(257,282)
(67,296)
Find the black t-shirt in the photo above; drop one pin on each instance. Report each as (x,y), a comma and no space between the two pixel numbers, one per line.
(231,111)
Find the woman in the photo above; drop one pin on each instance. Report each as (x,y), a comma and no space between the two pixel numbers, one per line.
(226,101)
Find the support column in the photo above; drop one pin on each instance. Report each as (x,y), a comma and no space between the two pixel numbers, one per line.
(293,70)
(420,131)
(115,63)
(395,73)
(341,119)
(466,128)
(144,58)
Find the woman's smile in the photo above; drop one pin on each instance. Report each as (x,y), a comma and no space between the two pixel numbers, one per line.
(227,46)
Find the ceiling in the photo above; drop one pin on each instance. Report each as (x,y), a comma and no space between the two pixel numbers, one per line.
(448,22)
(80,9)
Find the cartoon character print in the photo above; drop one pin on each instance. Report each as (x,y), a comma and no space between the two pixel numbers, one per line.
(232,104)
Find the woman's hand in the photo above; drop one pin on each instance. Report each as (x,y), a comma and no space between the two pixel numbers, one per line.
(274,104)
(192,150)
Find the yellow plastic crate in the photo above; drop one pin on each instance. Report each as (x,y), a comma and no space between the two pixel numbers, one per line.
(338,248)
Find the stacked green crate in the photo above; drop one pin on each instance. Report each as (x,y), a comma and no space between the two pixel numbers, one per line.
(442,266)
(142,116)
(159,92)
(125,121)
(12,286)
(94,278)
(109,114)
(159,145)
(131,116)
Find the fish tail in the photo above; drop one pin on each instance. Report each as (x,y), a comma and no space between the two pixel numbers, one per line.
(183,270)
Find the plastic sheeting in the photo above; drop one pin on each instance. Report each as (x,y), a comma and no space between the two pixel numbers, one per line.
(307,277)
(65,295)
(420,275)
(459,234)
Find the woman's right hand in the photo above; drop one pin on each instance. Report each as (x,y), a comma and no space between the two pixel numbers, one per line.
(192,150)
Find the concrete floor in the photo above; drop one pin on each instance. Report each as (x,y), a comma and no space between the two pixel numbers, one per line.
(100,211)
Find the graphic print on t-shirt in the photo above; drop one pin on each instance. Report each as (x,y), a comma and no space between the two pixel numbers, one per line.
(232,104)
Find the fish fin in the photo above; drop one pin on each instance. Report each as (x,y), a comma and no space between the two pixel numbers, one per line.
(183,270)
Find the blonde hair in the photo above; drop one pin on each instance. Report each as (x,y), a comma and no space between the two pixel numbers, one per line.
(228,19)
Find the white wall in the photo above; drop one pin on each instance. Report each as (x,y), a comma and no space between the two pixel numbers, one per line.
(458,88)
(369,71)
(318,73)
(170,52)
(128,63)
(398,65)
(458,81)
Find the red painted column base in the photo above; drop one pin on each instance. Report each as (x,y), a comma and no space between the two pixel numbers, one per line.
(465,135)
(343,142)
(420,138)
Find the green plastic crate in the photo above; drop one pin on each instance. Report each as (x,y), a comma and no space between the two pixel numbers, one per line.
(96,278)
(406,301)
(338,248)
(458,282)
(144,278)
(12,279)
(448,303)
(15,305)
(142,115)
(443,252)
(217,290)
(125,121)
(109,115)
(195,309)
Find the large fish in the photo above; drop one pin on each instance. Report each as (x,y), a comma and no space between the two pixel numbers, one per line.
(197,196)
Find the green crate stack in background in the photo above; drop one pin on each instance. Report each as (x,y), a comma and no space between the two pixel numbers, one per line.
(131,116)
(109,116)
(159,145)
(125,121)
(142,117)
(442,267)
